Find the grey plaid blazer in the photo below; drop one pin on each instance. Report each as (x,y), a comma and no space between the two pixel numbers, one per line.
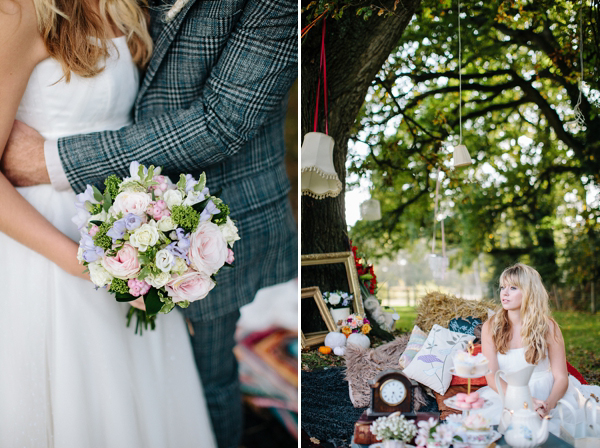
(213,99)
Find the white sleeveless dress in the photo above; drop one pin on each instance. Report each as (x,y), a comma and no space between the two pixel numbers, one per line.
(72,375)
(540,385)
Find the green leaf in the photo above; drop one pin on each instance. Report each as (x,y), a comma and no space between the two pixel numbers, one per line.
(141,172)
(167,307)
(183,304)
(97,194)
(150,173)
(124,297)
(153,303)
(96,223)
(181,183)
(201,182)
(200,206)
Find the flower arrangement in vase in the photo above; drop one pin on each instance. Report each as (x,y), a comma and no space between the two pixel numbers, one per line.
(394,430)
(433,434)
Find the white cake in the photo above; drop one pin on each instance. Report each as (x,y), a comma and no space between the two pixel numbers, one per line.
(469,365)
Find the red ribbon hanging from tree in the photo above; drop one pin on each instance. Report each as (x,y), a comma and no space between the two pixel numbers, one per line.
(322,74)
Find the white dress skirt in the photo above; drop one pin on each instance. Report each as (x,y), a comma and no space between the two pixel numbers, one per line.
(540,385)
(71,373)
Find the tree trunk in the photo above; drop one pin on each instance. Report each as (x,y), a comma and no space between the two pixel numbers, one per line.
(356,49)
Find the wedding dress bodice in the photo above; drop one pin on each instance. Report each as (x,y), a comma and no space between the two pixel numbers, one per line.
(514,359)
(56,108)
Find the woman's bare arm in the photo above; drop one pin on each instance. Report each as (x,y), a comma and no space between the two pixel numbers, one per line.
(558,363)
(21,50)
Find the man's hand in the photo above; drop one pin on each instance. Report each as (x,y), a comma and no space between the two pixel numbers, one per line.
(23,161)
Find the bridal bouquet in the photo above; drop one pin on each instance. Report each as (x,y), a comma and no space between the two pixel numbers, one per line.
(147,239)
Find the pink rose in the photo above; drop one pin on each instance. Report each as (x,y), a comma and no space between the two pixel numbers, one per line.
(208,248)
(190,286)
(125,264)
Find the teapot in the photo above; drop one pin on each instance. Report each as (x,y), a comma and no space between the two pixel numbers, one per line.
(517,388)
(525,427)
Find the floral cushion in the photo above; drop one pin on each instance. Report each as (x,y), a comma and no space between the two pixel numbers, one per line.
(464,325)
(431,365)
(416,341)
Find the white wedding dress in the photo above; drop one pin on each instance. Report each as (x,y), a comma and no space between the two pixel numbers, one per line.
(540,386)
(72,375)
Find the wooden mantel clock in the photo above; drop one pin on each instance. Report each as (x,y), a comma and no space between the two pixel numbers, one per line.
(391,391)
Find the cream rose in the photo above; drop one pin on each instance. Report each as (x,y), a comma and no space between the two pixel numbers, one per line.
(144,236)
(158,281)
(190,286)
(180,266)
(208,248)
(166,224)
(230,232)
(173,198)
(131,202)
(125,264)
(98,274)
(164,260)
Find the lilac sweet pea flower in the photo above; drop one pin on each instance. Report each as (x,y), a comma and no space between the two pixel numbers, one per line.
(81,218)
(132,221)
(86,196)
(90,252)
(189,182)
(209,210)
(117,231)
(179,247)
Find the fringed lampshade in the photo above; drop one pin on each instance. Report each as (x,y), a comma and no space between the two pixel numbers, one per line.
(318,177)
(370,210)
(461,156)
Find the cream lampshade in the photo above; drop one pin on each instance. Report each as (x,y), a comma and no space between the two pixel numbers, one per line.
(318,177)
(461,156)
(370,210)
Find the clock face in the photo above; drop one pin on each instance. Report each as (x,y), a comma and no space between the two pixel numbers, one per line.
(393,392)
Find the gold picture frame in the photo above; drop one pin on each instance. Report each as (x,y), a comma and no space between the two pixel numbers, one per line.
(315,338)
(347,258)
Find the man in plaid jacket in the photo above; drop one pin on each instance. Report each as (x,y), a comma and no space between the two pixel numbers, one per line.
(213,99)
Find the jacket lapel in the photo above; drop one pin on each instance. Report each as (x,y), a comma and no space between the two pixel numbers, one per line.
(161,46)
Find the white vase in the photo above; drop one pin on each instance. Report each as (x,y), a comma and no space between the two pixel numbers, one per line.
(340,314)
(393,444)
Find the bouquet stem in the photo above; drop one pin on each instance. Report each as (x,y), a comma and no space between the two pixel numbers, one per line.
(142,320)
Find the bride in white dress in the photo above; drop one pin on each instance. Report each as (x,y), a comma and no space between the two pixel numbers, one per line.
(522,333)
(71,373)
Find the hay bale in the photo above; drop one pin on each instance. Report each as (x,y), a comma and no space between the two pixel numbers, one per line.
(439,308)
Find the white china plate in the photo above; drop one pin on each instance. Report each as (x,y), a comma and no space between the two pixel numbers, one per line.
(453,372)
(451,402)
(495,435)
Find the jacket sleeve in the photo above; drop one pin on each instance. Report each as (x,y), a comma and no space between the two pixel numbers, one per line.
(250,80)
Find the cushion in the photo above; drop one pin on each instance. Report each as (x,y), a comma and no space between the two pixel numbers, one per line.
(445,411)
(457,380)
(416,341)
(464,325)
(431,365)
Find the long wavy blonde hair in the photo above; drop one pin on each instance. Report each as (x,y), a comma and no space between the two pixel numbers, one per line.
(535,314)
(76,34)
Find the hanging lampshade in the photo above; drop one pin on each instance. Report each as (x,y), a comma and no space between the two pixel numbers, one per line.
(370,210)
(318,177)
(461,156)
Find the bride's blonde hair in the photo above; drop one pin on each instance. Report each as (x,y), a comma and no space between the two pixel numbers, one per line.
(535,314)
(75,34)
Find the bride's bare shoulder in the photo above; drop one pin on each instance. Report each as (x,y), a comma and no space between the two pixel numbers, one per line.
(19,33)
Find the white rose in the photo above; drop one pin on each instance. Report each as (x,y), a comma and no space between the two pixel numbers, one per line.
(166,224)
(99,275)
(164,260)
(194,197)
(158,281)
(230,232)
(80,255)
(180,266)
(334,299)
(144,236)
(131,202)
(172,198)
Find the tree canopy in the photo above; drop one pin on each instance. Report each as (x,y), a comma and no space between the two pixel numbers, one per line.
(533,189)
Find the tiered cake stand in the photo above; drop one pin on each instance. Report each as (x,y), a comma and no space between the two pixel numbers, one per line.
(451,402)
